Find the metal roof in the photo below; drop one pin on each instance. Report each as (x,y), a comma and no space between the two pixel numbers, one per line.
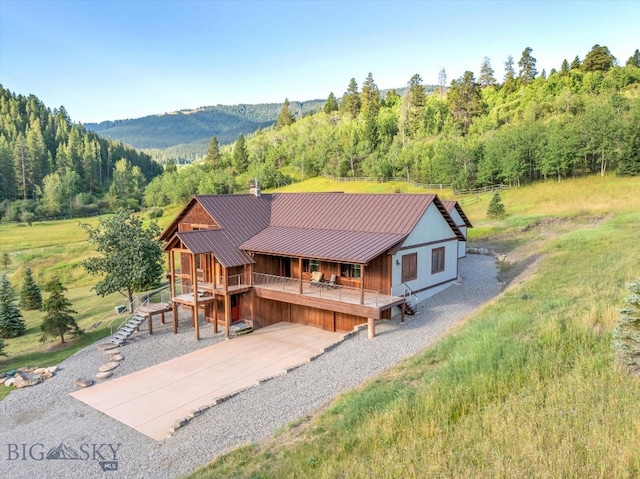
(331,245)
(376,213)
(338,227)
(217,242)
(450,205)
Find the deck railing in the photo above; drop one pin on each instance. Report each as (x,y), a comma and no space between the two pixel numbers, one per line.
(336,292)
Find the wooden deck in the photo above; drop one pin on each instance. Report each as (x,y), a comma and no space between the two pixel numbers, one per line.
(341,299)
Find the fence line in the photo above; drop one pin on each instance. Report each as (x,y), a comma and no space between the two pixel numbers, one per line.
(429,186)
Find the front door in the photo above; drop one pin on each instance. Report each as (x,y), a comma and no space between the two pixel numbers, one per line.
(235,308)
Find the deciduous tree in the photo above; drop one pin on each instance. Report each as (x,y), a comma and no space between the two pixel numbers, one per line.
(130,255)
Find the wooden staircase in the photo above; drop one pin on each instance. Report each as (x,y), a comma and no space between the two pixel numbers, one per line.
(127,329)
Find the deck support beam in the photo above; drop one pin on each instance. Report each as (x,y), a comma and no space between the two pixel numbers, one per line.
(371,327)
(227,316)
(402,308)
(174,306)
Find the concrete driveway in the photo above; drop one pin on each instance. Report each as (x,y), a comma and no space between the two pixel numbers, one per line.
(154,399)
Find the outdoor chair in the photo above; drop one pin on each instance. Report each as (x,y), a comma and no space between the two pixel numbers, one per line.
(316,278)
(332,281)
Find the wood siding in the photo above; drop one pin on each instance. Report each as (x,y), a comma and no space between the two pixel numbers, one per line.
(267,312)
(196,217)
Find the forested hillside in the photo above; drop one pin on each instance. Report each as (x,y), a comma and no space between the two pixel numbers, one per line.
(50,166)
(192,129)
(579,119)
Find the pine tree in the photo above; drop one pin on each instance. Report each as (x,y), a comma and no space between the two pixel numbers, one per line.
(496,208)
(527,66)
(58,319)
(213,153)
(626,334)
(576,63)
(11,322)
(564,68)
(285,118)
(2,346)
(240,155)
(486,73)
(509,84)
(634,60)
(351,99)
(331,104)
(598,59)
(30,296)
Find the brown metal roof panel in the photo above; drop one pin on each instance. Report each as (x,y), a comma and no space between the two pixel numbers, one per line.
(331,245)
(216,242)
(241,216)
(382,213)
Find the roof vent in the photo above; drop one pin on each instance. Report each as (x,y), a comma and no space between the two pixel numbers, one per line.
(255,190)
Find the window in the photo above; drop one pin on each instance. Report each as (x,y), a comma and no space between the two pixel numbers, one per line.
(350,270)
(310,265)
(409,267)
(437,260)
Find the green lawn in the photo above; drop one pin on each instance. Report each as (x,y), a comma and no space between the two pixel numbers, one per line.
(527,388)
(56,248)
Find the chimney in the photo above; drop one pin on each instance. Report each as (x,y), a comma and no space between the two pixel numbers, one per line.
(256,189)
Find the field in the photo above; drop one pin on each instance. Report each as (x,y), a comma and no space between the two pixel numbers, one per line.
(528,387)
(55,248)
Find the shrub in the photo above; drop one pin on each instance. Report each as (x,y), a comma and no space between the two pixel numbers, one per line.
(626,334)
(155,212)
(496,208)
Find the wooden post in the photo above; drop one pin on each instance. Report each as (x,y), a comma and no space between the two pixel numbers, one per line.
(402,312)
(194,278)
(215,314)
(300,274)
(227,316)
(362,284)
(197,323)
(175,317)
(225,275)
(372,328)
(150,323)
(172,274)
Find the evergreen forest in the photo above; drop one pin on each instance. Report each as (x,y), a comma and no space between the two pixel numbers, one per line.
(51,167)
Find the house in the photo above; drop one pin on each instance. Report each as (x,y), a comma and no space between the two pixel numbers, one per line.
(332,260)
(462,222)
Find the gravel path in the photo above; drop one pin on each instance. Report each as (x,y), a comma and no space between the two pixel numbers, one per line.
(35,420)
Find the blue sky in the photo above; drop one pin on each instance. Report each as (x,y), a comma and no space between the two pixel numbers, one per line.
(107,60)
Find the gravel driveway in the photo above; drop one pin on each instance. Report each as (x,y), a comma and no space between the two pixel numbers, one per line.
(44,432)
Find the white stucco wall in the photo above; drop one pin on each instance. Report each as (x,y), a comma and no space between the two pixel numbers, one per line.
(432,231)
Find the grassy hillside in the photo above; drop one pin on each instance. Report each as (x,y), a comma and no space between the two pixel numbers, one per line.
(527,387)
